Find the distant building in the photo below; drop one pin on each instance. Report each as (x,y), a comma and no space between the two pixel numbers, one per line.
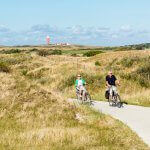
(62,44)
(47,40)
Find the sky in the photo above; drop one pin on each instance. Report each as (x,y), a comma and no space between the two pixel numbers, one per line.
(86,22)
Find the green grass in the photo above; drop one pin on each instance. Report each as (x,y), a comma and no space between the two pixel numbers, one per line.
(79,52)
(70,52)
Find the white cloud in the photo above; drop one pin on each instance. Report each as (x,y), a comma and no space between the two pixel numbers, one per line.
(3,29)
(75,34)
(126,28)
(114,36)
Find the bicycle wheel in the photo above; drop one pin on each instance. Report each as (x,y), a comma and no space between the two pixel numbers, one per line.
(119,104)
(88,98)
(110,100)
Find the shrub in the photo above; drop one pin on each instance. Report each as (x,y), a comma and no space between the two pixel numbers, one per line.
(123,49)
(139,47)
(56,52)
(125,76)
(24,72)
(43,53)
(144,69)
(92,80)
(11,51)
(128,62)
(92,53)
(12,61)
(38,74)
(50,52)
(34,50)
(35,75)
(4,67)
(97,63)
(141,76)
(74,55)
(143,82)
(42,81)
(70,81)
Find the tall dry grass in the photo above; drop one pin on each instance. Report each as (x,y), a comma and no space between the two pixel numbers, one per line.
(35,114)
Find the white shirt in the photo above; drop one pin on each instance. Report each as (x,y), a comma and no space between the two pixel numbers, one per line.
(80,83)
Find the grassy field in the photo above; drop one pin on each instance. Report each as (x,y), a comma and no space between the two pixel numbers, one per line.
(35,114)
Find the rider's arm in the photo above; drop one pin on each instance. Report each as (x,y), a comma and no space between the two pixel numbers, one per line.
(84,83)
(118,82)
(76,83)
(107,84)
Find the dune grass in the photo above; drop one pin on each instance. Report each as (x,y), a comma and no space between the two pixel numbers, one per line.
(35,114)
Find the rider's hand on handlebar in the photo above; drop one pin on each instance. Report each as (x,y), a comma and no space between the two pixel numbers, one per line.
(109,86)
(119,84)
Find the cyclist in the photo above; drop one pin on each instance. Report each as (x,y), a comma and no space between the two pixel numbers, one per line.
(111,82)
(80,86)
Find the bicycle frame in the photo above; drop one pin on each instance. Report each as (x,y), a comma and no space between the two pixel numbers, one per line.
(114,99)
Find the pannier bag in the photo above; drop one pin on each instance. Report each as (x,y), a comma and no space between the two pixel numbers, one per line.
(107,94)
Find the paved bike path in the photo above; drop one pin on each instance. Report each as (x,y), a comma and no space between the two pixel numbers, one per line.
(136,117)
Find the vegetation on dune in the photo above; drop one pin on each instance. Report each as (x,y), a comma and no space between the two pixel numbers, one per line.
(132,68)
(51,52)
(92,53)
(4,67)
(142,74)
(35,114)
(97,63)
(93,81)
(11,51)
(133,47)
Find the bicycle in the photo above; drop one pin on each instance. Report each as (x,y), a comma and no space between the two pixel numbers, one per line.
(83,97)
(115,100)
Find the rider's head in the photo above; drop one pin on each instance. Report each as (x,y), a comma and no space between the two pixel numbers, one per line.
(110,73)
(79,76)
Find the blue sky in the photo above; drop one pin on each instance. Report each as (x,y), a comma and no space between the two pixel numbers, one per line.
(90,22)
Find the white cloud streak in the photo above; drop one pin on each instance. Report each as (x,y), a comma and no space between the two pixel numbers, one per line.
(75,34)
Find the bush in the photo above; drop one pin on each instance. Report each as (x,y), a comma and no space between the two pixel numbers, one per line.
(70,81)
(143,82)
(24,72)
(50,52)
(92,80)
(4,67)
(12,61)
(42,81)
(92,53)
(74,55)
(97,63)
(139,47)
(144,69)
(11,51)
(35,74)
(34,50)
(123,49)
(128,62)
(111,64)
(43,53)
(56,52)
(141,76)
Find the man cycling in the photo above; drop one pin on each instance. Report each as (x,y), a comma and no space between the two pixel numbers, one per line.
(111,82)
(80,86)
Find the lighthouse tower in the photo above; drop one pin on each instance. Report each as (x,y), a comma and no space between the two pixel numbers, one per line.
(47,40)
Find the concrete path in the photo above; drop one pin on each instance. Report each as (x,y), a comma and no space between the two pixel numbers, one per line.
(136,117)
